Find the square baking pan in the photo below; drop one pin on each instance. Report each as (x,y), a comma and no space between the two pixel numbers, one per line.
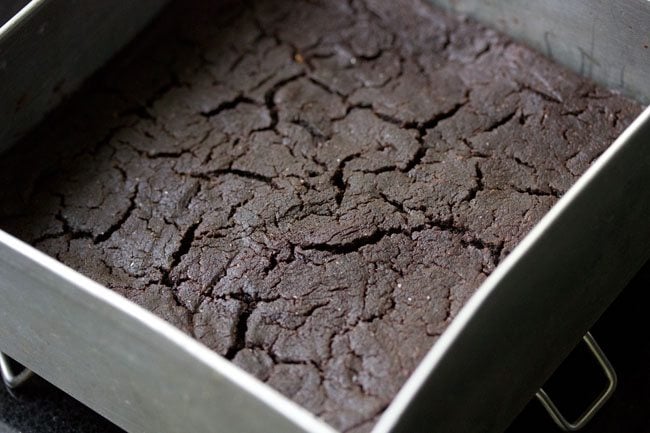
(147,376)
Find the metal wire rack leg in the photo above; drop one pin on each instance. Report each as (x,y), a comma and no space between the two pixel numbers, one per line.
(12,379)
(553,410)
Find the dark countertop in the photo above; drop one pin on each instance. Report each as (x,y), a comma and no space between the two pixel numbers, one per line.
(9,8)
(622,333)
(39,407)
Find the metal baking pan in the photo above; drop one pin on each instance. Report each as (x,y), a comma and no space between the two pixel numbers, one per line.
(49,47)
(147,376)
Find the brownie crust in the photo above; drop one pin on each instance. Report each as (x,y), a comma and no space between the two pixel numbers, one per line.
(311,189)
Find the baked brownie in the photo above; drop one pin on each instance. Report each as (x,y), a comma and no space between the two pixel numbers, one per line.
(312,189)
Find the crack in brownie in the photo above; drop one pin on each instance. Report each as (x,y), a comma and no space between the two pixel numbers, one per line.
(311,189)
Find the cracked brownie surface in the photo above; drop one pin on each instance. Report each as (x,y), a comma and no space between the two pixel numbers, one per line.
(311,189)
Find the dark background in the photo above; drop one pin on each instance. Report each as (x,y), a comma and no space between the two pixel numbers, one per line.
(9,8)
(622,332)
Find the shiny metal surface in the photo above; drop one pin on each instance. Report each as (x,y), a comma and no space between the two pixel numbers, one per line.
(124,362)
(606,40)
(534,308)
(612,380)
(51,46)
(11,378)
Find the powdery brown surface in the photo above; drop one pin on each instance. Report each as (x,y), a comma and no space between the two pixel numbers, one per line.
(312,189)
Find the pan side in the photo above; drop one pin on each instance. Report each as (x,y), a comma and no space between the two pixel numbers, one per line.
(51,46)
(529,314)
(124,362)
(607,41)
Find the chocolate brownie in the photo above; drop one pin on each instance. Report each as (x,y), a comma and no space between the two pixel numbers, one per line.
(312,189)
